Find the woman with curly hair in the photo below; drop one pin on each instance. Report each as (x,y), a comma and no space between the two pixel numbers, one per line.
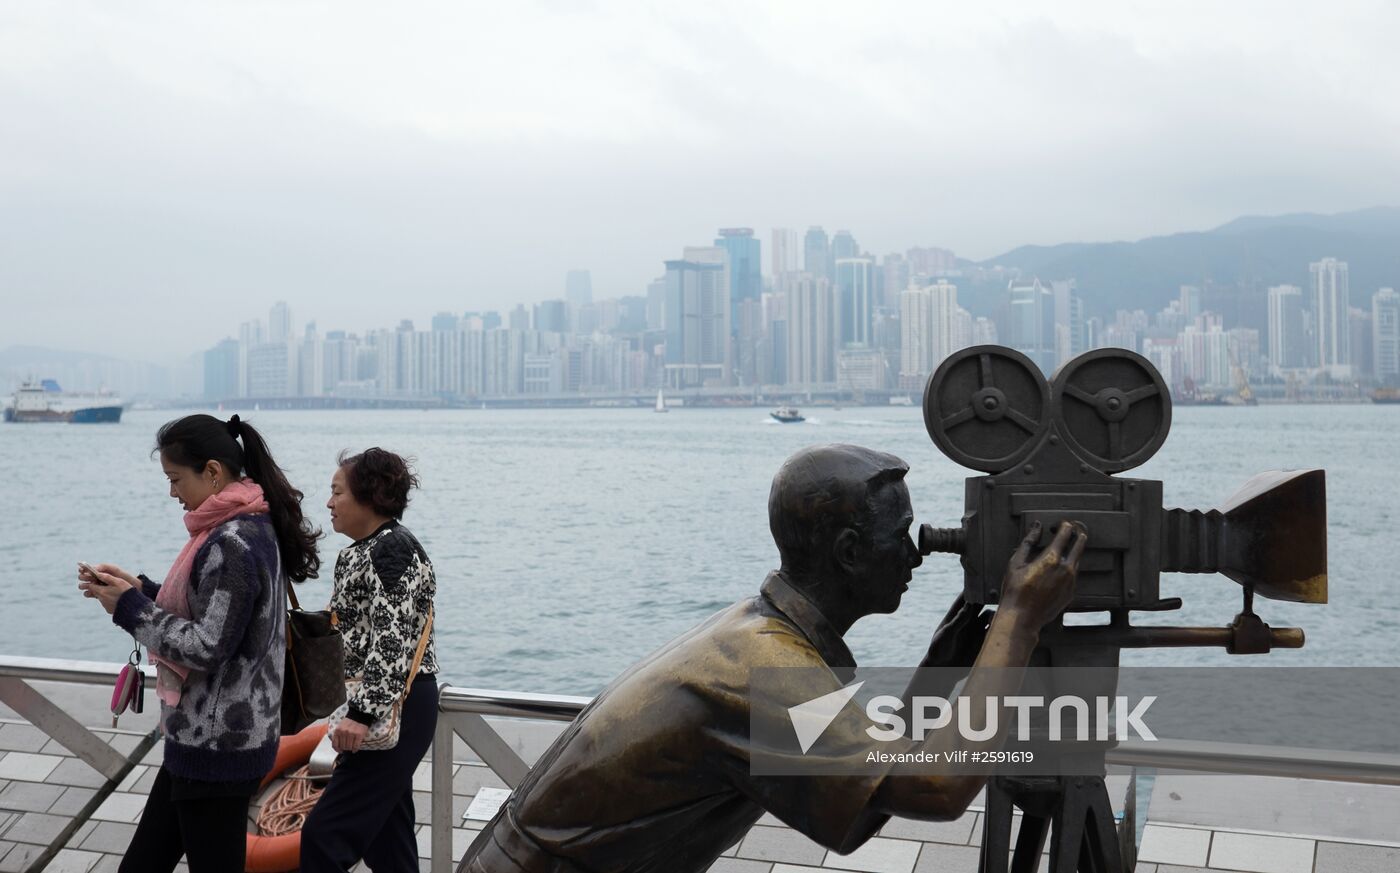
(383,601)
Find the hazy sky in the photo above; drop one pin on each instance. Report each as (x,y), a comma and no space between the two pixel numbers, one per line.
(168,170)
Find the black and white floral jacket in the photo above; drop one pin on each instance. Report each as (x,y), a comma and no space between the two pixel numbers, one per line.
(384,588)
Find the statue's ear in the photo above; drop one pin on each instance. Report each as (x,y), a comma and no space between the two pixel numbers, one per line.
(844,550)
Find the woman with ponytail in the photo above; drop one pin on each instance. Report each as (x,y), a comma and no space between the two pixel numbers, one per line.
(216,631)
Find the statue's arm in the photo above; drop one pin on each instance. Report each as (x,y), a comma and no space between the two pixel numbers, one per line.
(1036,590)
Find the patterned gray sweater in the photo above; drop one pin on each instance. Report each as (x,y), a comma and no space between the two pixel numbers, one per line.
(228,721)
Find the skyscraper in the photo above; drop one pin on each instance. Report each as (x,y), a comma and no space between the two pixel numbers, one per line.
(786,253)
(221,371)
(697,320)
(843,246)
(745,268)
(578,288)
(812,330)
(279,323)
(1287,342)
(855,279)
(1385,335)
(1331,319)
(1032,323)
(816,253)
(932,327)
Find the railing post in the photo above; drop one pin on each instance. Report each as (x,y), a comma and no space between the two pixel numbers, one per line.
(441,845)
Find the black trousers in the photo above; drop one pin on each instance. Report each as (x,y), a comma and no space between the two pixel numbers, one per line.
(205,822)
(366,812)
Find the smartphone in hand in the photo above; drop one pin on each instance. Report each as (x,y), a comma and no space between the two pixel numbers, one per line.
(85,567)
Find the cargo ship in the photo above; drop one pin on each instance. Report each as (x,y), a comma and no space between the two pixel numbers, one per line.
(45,402)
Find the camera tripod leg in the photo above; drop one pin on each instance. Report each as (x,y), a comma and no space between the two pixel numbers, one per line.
(996,829)
(1030,842)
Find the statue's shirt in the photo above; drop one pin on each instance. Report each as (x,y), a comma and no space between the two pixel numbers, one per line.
(654,775)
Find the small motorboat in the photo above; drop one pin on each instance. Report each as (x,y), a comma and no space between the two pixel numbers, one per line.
(787,415)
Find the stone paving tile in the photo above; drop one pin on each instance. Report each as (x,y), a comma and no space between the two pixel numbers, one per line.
(780,844)
(939,858)
(37,827)
(109,836)
(72,861)
(29,766)
(107,864)
(958,831)
(1351,858)
(1145,868)
(1172,868)
(1260,854)
(129,783)
(1186,847)
(795,868)
(72,801)
(469,780)
(72,771)
(739,865)
(22,738)
(29,796)
(878,855)
(20,857)
(125,744)
(121,807)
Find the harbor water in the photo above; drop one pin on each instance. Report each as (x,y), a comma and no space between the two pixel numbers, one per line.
(569,543)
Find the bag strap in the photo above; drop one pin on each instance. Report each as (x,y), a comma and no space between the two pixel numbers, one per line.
(418,655)
(292,595)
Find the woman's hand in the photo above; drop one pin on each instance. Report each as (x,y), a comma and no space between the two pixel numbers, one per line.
(348,736)
(106,583)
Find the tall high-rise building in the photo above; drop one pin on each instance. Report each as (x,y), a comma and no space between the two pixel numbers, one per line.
(578,287)
(310,364)
(1385,336)
(1191,301)
(1288,348)
(812,330)
(816,253)
(279,323)
(855,280)
(697,320)
(1032,323)
(745,268)
(221,371)
(786,254)
(1069,321)
(551,315)
(1331,304)
(446,321)
(1359,343)
(932,327)
(843,245)
(896,278)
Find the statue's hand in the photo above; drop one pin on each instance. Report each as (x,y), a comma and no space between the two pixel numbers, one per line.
(959,638)
(1042,586)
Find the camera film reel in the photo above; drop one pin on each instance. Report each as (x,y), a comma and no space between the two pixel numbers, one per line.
(987,407)
(1112,408)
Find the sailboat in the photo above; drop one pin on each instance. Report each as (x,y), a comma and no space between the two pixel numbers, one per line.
(660,402)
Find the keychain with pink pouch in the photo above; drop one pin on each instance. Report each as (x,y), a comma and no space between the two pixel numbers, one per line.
(129,692)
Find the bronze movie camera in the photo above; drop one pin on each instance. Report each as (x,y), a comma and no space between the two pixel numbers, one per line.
(1052,450)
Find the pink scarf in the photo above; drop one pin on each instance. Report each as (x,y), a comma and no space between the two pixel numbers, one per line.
(244,497)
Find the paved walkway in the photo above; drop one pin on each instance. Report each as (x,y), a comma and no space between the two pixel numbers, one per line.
(59,815)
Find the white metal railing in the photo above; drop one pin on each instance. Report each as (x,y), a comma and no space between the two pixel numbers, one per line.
(462,714)
(461,711)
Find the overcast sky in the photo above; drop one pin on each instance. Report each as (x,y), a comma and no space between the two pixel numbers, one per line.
(168,170)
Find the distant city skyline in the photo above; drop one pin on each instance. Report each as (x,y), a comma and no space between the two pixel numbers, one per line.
(159,159)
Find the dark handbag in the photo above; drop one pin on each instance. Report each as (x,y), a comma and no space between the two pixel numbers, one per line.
(314,682)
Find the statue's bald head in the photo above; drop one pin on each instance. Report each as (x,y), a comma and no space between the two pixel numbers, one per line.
(822,490)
